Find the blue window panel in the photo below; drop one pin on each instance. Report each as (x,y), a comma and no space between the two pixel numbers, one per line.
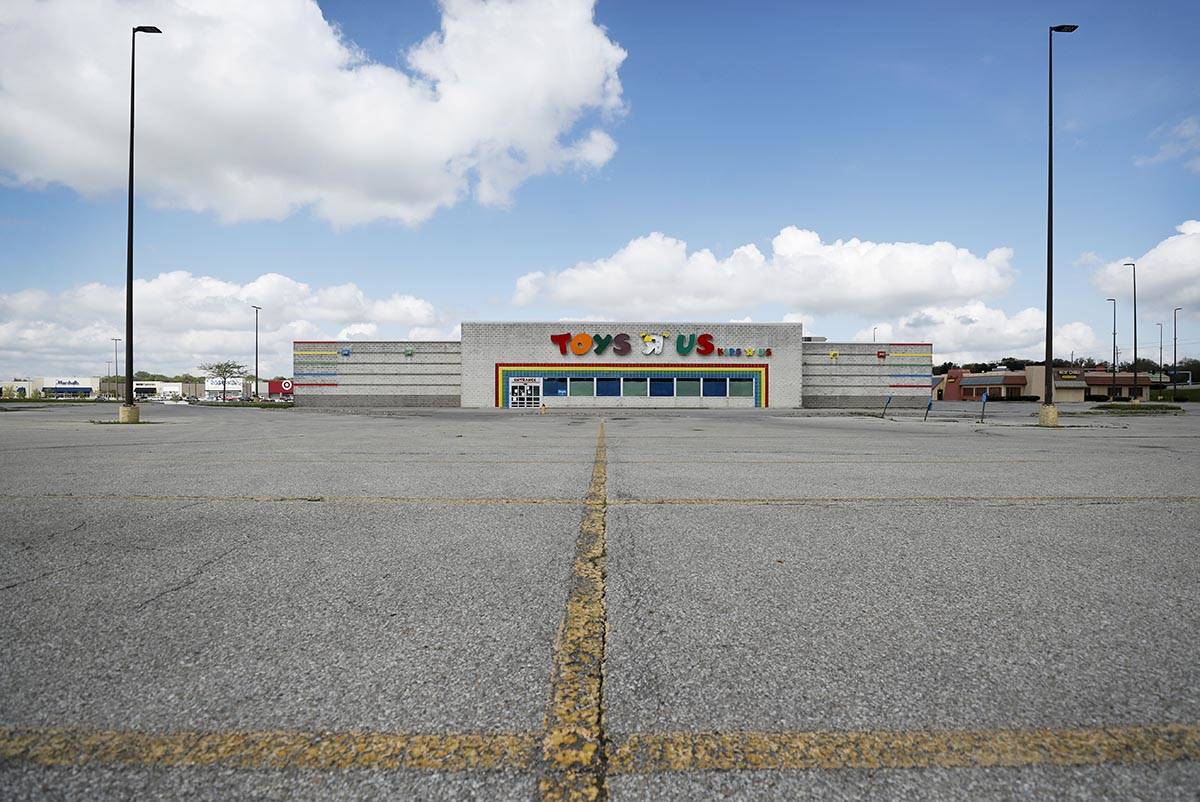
(556,385)
(662,388)
(608,387)
(714,388)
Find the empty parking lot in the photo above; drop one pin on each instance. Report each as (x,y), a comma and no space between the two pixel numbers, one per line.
(276,604)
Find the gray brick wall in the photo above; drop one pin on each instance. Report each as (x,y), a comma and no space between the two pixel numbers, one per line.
(857,377)
(365,374)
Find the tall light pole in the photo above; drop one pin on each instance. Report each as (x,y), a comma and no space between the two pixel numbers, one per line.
(257,309)
(873,328)
(1160,362)
(129,411)
(1048,416)
(1133,389)
(1113,395)
(116,362)
(1175,353)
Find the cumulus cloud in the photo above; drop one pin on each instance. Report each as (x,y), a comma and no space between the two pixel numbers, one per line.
(1168,275)
(800,317)
(655,277)
(254,109)
(1180,141)
(182,320)
(975,332)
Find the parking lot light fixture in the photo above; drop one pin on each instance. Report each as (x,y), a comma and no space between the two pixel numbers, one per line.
(1175,352)
(1048,416)
(1133,389)
(1160,362)
(257,309)
(129,411)
(1112,396)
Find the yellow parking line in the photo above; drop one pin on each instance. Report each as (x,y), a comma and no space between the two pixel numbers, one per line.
(737,751)
(800,500)
(434,500)
(269,749)
(823,461)
(643,753)
(573,743)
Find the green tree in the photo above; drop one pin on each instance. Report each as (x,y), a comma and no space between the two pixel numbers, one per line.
(1189,364)
(224,371)
(1012,363)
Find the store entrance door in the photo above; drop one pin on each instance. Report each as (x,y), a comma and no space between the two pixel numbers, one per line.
(524,392)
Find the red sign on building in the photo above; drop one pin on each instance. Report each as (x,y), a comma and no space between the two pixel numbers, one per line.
(279,387)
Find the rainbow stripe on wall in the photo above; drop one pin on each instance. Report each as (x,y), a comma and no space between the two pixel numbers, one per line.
(757,372)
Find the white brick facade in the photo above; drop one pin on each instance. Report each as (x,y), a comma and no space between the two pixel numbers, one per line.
(863,375)
(356,373)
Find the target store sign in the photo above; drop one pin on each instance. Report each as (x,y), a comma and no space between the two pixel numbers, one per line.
(279,387)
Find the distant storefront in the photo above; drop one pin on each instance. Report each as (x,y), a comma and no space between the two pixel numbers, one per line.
(531,365)
(1070,385)
(217,389)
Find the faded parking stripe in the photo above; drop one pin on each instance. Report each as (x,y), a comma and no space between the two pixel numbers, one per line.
(800,500)
(433,500)
(744,751)
(573,747)
(269,749)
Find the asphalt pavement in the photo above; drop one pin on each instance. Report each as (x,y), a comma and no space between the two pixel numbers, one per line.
(279,604)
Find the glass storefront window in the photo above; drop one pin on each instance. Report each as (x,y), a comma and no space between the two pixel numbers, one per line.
(634,387)
(714,388)
(662,388)
(581,387)
(687,388)
(741,388)
(608,387)
(555,385)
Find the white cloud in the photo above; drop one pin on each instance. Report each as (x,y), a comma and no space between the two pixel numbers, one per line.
(358,331)
(1088,259)
(1168,275)
(181,320)
(255,109)
(975,332)
(655,277)
(800,317)
(435,332)
(1180,141)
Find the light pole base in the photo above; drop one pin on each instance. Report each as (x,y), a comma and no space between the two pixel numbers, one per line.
(128,413)
(1048,415)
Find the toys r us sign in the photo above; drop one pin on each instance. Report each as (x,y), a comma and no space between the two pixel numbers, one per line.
(650,344)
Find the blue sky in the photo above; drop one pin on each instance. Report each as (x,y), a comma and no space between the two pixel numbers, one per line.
(891,123)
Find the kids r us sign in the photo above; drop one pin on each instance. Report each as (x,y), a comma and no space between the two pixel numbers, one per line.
(649,344)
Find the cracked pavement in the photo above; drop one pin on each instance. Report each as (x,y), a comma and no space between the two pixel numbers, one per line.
(767,575)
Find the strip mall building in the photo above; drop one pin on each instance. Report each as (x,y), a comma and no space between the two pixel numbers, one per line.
(604,365)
